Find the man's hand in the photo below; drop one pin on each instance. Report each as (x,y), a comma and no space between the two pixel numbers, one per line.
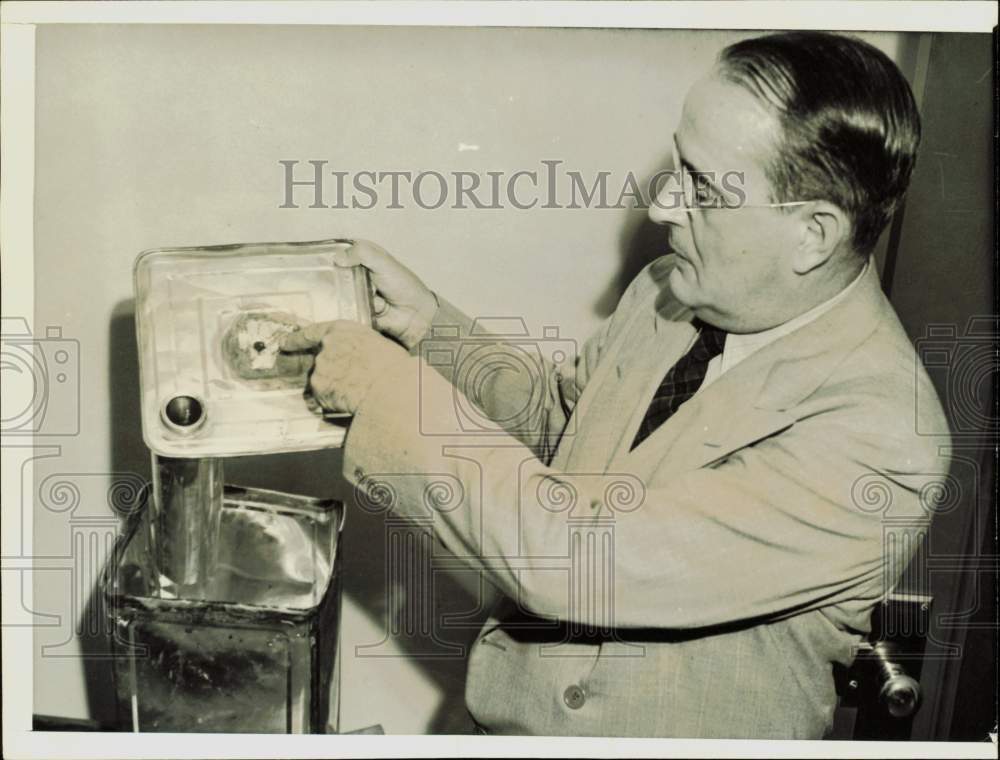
(351,357)
(403,305)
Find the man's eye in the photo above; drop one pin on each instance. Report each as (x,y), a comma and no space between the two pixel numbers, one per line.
(703,195)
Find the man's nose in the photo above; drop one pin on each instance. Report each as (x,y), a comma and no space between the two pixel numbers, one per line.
(667,206)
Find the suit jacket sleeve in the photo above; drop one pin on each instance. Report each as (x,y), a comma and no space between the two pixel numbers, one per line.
(796,522)
(511,379)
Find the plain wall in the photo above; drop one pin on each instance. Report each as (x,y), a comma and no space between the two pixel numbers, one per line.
(169,136)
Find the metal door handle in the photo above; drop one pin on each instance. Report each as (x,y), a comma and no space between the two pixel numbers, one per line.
(898,691)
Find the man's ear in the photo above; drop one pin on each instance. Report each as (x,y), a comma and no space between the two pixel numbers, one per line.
(825,228)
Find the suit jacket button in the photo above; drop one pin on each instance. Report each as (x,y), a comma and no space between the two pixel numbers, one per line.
(359,473)
(574,697)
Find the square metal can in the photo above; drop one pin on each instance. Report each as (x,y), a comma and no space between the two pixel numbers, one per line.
(213,380)
(259,654)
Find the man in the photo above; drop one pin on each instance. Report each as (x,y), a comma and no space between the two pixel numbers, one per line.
(756,385)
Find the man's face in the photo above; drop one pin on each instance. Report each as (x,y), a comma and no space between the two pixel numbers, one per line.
(733,264)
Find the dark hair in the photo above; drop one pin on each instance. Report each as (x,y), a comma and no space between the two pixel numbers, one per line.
(850,124)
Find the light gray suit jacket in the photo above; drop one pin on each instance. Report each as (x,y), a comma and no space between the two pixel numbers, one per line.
(703,584)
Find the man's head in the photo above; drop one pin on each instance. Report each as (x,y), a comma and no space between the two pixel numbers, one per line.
(824,123)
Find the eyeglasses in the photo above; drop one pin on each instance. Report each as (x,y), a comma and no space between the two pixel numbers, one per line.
(700,194)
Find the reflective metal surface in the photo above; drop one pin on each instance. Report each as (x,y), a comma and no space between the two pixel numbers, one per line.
(209,322)
(259,652)
(183,524)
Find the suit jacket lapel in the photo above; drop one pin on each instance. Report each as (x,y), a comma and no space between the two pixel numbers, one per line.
(610,412)
(668,344)
(757,397)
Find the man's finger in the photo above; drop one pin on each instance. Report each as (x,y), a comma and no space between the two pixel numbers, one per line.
(365,253)
(346,257)
(304,338)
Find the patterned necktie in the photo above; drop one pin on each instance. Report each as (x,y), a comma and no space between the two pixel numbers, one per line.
(682,380)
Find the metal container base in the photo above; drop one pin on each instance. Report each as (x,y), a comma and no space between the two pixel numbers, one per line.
(260,653)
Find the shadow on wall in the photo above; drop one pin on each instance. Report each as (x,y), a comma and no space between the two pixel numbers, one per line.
(429,615)
(129,465)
